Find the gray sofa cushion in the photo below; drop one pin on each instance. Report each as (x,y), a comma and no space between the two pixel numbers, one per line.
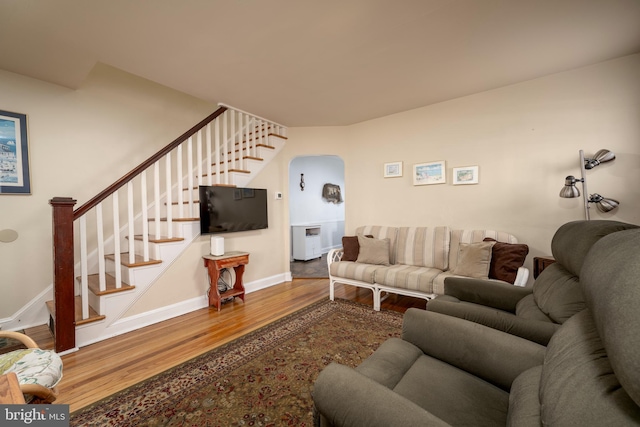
(527,308)
(390,362)
(578,385)
(453,395)
(557,292)
(573,240)
(524,403)
(611,283)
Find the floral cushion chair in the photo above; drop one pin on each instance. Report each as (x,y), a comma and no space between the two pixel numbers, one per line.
(38,371)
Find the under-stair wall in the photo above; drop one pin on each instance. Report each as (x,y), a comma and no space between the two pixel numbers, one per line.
(123,239)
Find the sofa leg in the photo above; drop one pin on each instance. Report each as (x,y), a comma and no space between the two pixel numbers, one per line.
(331,290)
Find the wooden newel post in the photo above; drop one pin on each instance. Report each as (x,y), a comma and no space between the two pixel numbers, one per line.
(64,328)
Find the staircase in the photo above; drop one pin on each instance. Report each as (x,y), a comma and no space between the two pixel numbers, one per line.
(110,251)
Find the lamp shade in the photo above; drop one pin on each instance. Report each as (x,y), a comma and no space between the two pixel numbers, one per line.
(603,204)
(601,156)
(570,190)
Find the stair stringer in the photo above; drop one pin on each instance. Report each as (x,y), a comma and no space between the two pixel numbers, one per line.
(115,306)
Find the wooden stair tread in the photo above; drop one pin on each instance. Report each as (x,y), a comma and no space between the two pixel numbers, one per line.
(93,315)
(161,239)
(206,185)
(222,162)
(139,261)
(94,285)
(230,170)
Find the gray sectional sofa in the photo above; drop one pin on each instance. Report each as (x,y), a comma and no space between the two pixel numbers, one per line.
(415,261)
(447,371)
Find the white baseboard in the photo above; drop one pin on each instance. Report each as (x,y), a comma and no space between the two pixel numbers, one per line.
(34,313)
(161,314)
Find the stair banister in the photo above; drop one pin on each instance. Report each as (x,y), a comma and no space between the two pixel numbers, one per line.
(239,132)
(63,217)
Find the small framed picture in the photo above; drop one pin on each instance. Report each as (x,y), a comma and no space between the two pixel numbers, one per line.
(393,170)
(465,175)
(430,173)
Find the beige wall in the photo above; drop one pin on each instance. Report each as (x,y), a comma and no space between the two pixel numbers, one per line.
(80,142)
(525,139)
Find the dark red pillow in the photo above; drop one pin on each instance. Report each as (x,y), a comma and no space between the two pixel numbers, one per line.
(351,248)
(506,258)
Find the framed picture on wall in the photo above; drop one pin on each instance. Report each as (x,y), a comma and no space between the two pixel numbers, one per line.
(393,170)
(14,154)
(430,173)
(465,175)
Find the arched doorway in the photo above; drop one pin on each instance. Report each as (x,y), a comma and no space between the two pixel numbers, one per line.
(316,212)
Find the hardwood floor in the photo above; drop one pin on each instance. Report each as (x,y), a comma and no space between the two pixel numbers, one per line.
(99,370)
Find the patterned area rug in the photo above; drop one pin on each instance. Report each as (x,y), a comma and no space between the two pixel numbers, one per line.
(264,378)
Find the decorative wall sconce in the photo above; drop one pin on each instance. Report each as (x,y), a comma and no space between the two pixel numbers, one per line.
(570,190)
(301,182)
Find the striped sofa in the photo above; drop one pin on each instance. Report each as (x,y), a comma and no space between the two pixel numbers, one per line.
(419,260)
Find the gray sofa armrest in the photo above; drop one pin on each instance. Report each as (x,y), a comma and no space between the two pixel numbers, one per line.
(503,296)
(344,397)
(531,329)
(487,353)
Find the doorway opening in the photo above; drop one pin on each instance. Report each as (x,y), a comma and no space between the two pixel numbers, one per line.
(316,212)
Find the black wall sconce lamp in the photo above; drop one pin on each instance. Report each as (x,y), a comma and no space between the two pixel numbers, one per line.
(570,190)
(301,182)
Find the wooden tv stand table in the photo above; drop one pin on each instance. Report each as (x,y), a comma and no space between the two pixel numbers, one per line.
(214,265)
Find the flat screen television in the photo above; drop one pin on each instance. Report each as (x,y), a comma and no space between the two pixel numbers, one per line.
(231,209)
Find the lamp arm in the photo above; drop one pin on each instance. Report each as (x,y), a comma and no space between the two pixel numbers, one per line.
(585,196)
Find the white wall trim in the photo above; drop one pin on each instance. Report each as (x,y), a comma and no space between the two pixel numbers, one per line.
(161,314)
(34,313)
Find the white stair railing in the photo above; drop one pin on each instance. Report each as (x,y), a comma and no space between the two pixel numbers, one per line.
(227,141)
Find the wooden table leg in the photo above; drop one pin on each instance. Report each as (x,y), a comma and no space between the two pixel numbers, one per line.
(214,294)
(238,285)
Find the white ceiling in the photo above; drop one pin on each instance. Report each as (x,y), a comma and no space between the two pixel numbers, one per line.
(316,63)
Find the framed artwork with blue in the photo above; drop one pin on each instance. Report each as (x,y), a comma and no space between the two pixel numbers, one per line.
(14,154)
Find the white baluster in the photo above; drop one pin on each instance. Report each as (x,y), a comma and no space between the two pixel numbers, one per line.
(247,136)
(209,160)
(217,148)
(84,279)
(199,157)
(156,198)
(132,254)
(168,192)
(232,140)
(180,182)
(240,141)
(225,150)
(259,132)
(145,216)
(116,240)
(190,177)
(102,279)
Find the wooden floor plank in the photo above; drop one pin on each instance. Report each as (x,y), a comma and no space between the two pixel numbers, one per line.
(101,369)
